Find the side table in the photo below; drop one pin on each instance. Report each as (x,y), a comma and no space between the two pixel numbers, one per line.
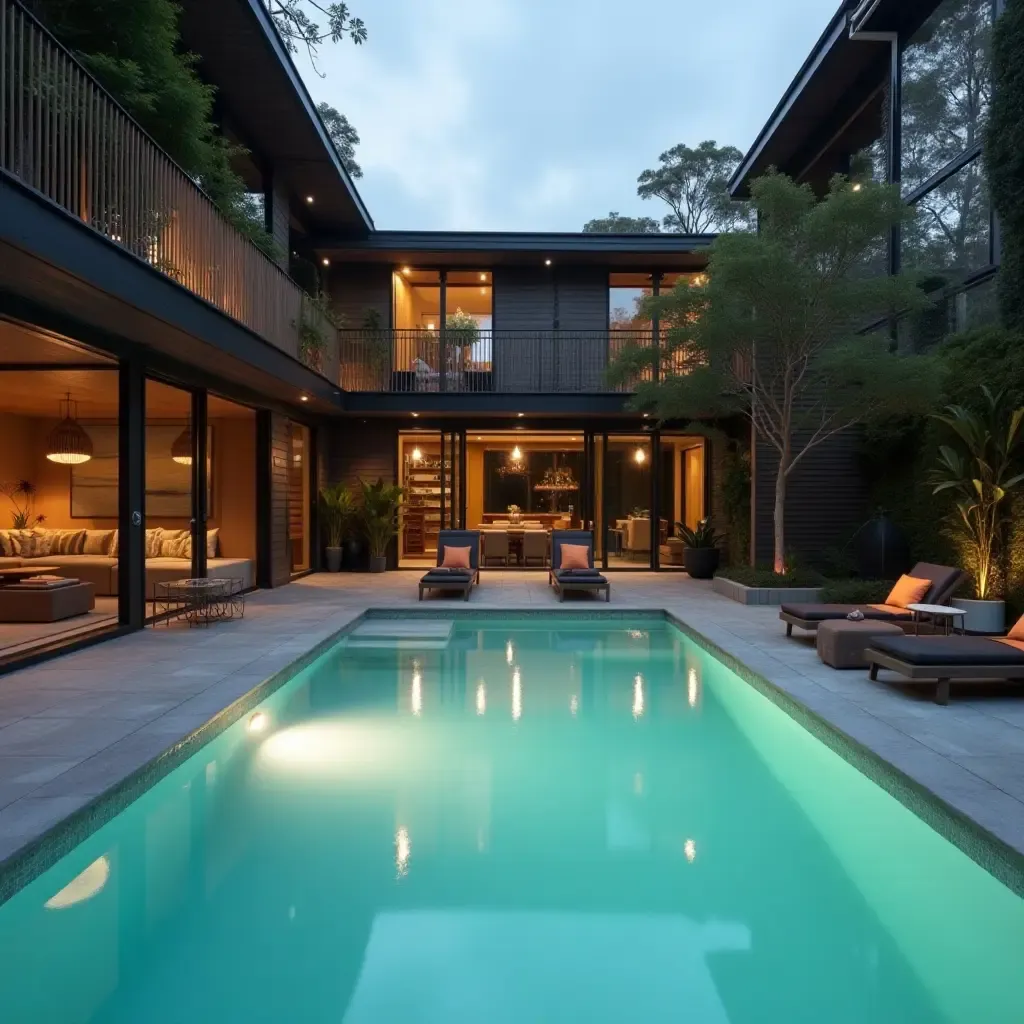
(945,613)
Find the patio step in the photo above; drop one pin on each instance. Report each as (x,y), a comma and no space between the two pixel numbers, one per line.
(407,634)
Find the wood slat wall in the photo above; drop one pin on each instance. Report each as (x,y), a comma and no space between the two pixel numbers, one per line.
(280,551)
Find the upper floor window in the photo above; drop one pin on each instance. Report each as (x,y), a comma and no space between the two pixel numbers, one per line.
(626,294)
(946,88)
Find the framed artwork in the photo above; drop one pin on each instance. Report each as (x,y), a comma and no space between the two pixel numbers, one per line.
(168,483)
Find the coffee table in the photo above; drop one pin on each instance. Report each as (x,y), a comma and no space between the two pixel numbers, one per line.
(25,572)
(200,600)
(936,612)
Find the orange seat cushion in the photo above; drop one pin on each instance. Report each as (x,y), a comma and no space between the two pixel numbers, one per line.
(908,590)
(456,558)
(1017,632)
(575,556)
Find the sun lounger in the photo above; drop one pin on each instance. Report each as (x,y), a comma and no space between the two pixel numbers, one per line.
(946,658)
(807,616)
(460,580)
(564,580)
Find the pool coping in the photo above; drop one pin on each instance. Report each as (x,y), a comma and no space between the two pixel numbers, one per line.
(987,850)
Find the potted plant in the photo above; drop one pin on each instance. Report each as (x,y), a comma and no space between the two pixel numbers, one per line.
(22,496)
(979,473)
(701,553)
(379,515)
(336,509)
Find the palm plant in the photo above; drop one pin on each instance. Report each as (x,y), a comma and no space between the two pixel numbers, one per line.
(337,507)
(979,473)
(379,514)
(703,536)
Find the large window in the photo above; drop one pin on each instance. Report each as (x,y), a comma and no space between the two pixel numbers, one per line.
(946,88)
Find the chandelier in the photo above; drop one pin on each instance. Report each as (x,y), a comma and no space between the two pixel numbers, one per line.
(514,465)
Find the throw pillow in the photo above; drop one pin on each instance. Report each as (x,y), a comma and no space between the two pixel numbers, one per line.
(113,543)
(1017,632)
(456,558)
(908,590)
(67,542)
(212,542)
(97,542)
(169,543)
(154,540)
(180,547)
(6,544)
(575,556)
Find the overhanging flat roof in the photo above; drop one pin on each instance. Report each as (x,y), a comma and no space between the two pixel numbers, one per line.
(263,93)
(452,248)
(829,80)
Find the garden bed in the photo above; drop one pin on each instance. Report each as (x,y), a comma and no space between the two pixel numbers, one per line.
(764,595)
(762,586)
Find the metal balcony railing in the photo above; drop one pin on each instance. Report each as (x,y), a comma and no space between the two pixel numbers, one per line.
(63,135)
(482,361)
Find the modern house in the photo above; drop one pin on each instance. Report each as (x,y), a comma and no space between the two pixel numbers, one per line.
(175,397)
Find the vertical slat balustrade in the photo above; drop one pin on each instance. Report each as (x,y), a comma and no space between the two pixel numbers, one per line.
(63,135)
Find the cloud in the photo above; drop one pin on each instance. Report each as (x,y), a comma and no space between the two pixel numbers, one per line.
(540,114)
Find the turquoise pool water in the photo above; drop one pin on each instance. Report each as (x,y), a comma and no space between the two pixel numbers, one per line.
(560,821)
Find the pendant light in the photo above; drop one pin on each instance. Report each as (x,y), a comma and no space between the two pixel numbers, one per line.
(181,450)
(68,444)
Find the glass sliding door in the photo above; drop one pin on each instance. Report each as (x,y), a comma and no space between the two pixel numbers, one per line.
(419,519)
(627,480)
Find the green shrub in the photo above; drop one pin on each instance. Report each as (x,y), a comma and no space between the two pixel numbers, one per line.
(856,591)
(763,577)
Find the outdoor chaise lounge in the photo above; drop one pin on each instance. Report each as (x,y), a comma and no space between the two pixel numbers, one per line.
(949,658)
(573,567)
(944,580)
(461,550)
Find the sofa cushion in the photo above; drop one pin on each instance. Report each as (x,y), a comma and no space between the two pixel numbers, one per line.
(6,545)
(172,544)
(10,563)
(66,542)
(99,570)
(212,542)
(97,542)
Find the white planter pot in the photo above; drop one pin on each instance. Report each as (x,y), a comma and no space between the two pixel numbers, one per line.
(982,616)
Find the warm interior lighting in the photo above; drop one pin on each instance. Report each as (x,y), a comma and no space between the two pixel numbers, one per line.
(181,450)
(68,444)
(640,456)
(406,270)
(516,454)
(258,722)
(430,326)
(483,277)
(483,291)
(82,887)
(309,199)
(416,455)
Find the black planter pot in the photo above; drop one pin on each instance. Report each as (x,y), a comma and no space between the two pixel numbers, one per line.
(378,563)
(353,558)
(332,559)
(701,563)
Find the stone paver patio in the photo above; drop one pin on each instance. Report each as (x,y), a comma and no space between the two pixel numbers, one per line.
(75,726)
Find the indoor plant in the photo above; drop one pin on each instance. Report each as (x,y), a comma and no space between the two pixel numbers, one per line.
(21,494)
(700,549)
(379,517)
(336,509)
(978,470)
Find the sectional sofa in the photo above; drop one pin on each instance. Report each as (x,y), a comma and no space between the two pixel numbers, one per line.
(91,556)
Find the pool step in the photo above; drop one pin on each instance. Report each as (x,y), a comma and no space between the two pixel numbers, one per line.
(399,634)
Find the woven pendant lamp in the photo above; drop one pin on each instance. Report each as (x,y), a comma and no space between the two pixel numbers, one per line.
(181,450)
(68,444)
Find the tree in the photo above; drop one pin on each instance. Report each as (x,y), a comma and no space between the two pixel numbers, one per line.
(694,184)
(298,27)
(616,224)
(772,332)
(343,135)
(1004,156)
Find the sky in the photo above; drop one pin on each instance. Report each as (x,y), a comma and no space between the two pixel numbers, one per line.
(537,115)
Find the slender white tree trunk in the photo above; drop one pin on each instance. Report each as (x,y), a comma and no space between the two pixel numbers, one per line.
(780,514)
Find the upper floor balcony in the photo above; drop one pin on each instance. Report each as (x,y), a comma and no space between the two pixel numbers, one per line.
(64,136)
(482,361)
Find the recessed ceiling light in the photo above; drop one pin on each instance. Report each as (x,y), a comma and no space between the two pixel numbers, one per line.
(303,398)
(326,262)
(483,277)
(406,270)
(547,263)
(415,414)
(309,199)
(521,414)
(646,414)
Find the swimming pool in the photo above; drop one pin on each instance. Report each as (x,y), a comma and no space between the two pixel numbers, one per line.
(524,820)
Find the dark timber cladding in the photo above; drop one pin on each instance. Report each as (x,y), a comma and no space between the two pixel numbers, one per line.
(357,289)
